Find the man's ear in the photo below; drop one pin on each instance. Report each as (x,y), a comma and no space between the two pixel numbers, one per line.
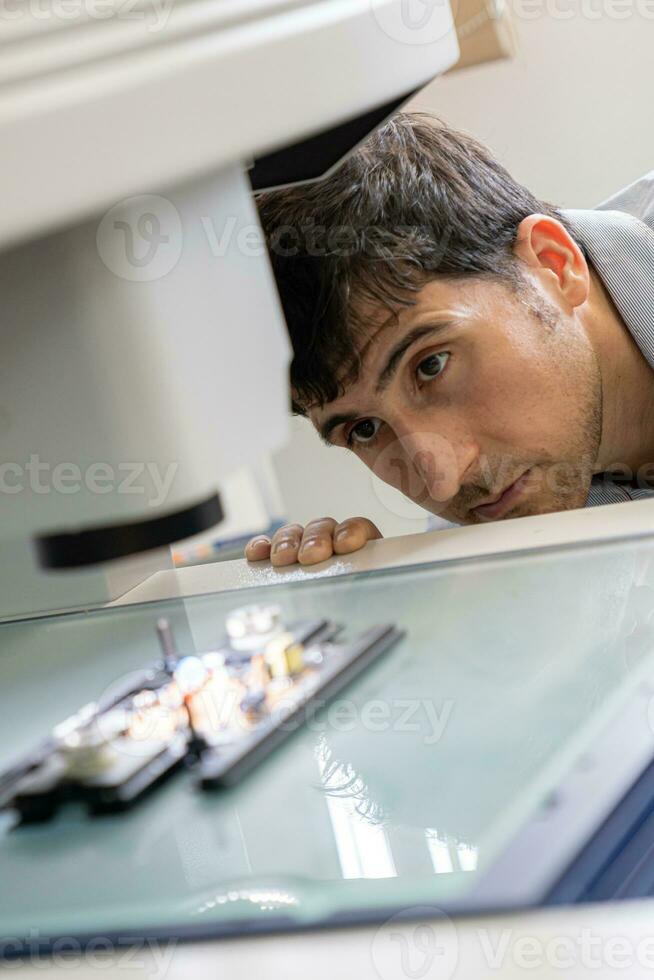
(546,247)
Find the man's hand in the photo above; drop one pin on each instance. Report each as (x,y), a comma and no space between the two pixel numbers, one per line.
(317,541)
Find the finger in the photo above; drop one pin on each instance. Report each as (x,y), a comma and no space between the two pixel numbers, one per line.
(258,549)
(317,541)
(286,544)
(353,534)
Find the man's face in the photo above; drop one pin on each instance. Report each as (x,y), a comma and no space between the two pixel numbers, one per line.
(479,402)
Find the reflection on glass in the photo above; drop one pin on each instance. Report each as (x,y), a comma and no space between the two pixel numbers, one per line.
(360,837)
(264,900)
(448,855)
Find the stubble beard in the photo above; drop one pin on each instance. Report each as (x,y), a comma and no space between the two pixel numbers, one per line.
(558,482)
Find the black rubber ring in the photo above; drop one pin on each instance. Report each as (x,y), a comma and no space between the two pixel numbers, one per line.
(74,549)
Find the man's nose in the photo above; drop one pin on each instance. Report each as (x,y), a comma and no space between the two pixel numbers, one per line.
(440,460)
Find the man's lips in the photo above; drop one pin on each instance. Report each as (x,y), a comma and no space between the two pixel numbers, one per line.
(505,502)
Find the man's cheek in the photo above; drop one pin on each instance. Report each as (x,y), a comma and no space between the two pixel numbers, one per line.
(557,486)
(570,477)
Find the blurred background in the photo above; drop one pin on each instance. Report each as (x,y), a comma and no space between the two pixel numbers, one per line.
(567,109)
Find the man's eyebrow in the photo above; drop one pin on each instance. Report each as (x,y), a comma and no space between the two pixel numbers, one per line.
(327,427)
(402,347)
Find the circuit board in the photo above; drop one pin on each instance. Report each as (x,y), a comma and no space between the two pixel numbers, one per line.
(219,712)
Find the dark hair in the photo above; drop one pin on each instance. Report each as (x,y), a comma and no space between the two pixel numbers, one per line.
(417,200)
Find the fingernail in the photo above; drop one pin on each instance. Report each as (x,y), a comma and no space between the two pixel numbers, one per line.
(282,546)
(256,541)
(342,534)
(311,543)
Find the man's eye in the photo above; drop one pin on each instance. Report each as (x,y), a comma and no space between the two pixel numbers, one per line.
(364,431)
(432,366)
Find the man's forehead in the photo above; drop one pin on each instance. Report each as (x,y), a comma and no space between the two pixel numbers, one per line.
(437,297)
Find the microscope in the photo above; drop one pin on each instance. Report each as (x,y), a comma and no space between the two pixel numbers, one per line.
(144,353)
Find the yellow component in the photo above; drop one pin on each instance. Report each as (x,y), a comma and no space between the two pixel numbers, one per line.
(284,656)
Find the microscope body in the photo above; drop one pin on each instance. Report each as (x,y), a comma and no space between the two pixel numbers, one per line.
(144,355)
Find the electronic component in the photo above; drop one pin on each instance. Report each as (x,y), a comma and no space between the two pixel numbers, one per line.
(219,712)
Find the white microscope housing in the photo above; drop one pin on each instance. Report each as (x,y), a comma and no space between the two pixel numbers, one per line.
(143,351)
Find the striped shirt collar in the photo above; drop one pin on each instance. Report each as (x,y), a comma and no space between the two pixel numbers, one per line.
(621,249)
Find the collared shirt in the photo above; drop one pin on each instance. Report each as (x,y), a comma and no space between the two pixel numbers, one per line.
(619,239)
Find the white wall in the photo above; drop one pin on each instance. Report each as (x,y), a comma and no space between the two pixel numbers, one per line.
(572,117)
